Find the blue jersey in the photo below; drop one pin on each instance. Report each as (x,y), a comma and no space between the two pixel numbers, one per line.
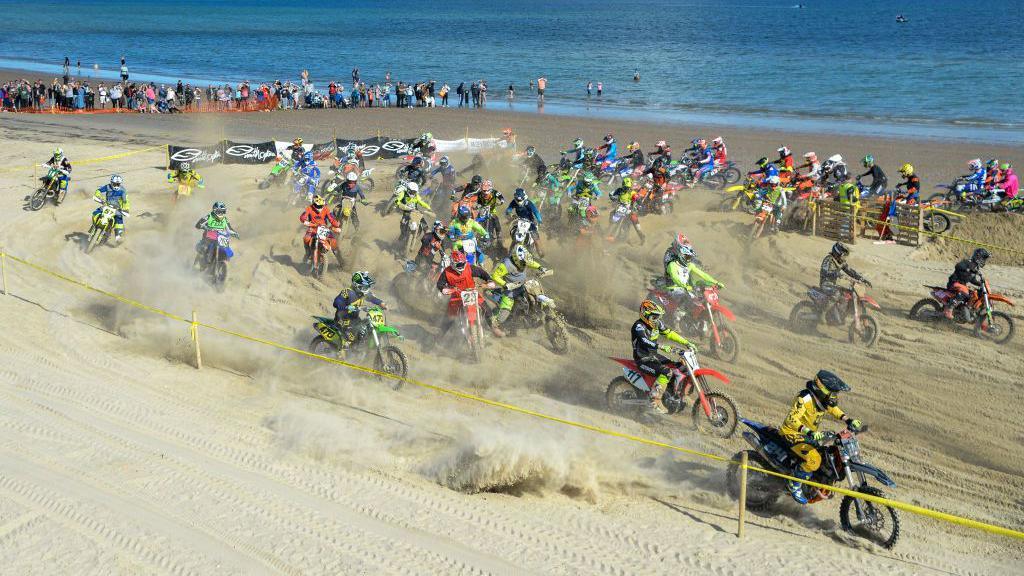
(527,210)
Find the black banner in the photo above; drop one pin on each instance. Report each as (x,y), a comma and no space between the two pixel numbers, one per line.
(321,151)
(239,153)
(195,155)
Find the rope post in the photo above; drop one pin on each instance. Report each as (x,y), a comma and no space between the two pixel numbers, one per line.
(467,137)
(743,493)
(3,272)
(814,219)
(194,331)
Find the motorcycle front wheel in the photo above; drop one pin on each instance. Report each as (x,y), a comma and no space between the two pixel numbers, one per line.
(624,399)
(937,223)
(558,336)
(866,333)
(391,360)
(878,523)
(724,417)
(804,317)
(220,273)
(762,490)
(37,200)
(998,331)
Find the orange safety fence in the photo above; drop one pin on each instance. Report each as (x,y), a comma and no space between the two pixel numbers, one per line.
(228,106)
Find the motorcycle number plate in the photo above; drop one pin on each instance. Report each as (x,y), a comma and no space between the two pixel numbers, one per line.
(622,210)
(322,232)
(222,240)
(469,245)
(326,332)
(711,296)
(635,378)
(469,297)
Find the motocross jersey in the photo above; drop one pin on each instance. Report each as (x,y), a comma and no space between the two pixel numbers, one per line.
(352,191)
(506,273)
(610,150)
(467,229)
(687,276)
(976,180)
(767,172)
(318,217)
(848,194)
(491,204)
(626,195)
(913,186)
(965,272)
(413,175)
(117,198)
(805,417)
(645,339)
(213,222)
(831,270)
(64,163)
(634,158)
(451,278)
(407,201)
(189,178)
(447,175)
(348,299)
(527,211)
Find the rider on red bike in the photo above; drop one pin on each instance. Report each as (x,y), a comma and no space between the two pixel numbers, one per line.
(682,274)
(318,214)
(453,280)
(646,351)
(832,268)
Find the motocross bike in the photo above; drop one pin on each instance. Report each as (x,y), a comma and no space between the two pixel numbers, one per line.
(740,196)
(425,167)
(322,241)
(988,324)
(956,198)
(471,320)
(50,188)
(103,226)
(345,211)
(841,461)
(707,318)
(303,190)
(620,221)
(853,305)
(279,174)
(713,412)
(212,255)
(533,309)
(411,227)
(764,217)
(184,187)
(372,341)
(519,230)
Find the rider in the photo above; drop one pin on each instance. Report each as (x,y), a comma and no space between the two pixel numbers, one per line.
(719,150)
(347,303)
(848,193)
(407,201)
(315,215)
(966,273)
(834,170)
(533,161)
(609,149)
(813,167)
(424,145)
(472,188)
(785,161)
(464,226)
(800,428)
(682,275)
(447,172)
(662,153)
(577,149)
(311,171)
(458,276)
(635,158)
(61,162)
(878,179)
(975,181)
(912,183)
(298,154)
(764,170)
(771,191)
(993,174)
(704,162)
(413,172)
(431,244)
(114,194)
(185,175)
(629,196)
(352,191)
(832,268)
(522,207)
(217,220)
(510,276)
(644,334)
(1009,182)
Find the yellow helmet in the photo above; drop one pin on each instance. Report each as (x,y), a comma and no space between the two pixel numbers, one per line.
(318,201)
(650,312)
(627,182)
(907,169)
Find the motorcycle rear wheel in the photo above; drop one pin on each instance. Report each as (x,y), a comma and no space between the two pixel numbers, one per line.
(620,390)
(926,310)
(937,223)
(321,347)
(874,527)
(999,331)
(868,333)
(724,414)
(804,317)
(762,490)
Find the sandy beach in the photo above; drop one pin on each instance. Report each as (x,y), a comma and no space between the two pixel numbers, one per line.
(118,457)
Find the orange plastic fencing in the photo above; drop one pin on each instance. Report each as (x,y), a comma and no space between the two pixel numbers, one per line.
(229,106)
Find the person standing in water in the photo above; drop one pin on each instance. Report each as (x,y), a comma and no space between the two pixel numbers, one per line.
(542,83)
(590,86)
(600,89)
(636,75)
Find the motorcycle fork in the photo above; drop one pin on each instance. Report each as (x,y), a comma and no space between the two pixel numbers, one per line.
(700,391)
(714,325)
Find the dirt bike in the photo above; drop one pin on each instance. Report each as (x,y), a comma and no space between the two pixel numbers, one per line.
(519,230)
(372,340)
(620,221)
(279,174)
(345,211)
(853,305)
(740,196)
(534,309)
(764,217)
(303,189)
(50,188)
(713,412)
(471,321)
(184,188)
(411,228)
(707,319)
(988,324)
(103,226)
(321,248)
(212,255)
(840,461)
(957,199)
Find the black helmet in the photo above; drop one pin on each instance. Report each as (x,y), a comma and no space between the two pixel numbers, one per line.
(762,162)
(980,257)
(840,251)
(477,180)
(530,151)
(519,195)
(826,386)
(219,209)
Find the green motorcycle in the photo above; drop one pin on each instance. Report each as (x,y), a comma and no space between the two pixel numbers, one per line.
(373,340)
(278,174)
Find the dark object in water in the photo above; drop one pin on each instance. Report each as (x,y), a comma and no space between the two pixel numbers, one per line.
(901,19)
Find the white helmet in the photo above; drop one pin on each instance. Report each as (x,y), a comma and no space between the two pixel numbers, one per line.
(412,187)
(974,164)
(774,180)
(836,159)
(351,177)
(785,151)
(718,141)
(116,181)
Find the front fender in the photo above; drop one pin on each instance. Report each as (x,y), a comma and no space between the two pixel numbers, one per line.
(872,471)
(725,312)
(870,302)
(712,373)
(999,298)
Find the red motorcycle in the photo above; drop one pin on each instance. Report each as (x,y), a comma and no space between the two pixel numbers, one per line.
(707,319)
(471,319)
(853,306)
(713,412)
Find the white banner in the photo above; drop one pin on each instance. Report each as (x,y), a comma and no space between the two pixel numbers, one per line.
(468,145)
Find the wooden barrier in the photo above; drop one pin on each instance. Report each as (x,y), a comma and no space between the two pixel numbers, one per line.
(835,221)
(910,220)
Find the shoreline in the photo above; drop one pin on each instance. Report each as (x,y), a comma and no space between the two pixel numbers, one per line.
(527,103)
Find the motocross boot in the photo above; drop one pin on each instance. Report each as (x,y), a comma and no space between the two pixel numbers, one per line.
(656,404)
(796,489)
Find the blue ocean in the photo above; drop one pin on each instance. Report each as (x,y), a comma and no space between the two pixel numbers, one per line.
(952,67)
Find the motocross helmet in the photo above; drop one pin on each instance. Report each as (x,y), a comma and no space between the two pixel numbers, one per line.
(184,167)
(530,151)
(487,186)
(297,143)
(702,143)
(577,143)
(633,146)
(458,260)
(907,169)
(507,132)
(609,138)
(980,257)
(439,229)
(464,213)
(762,162)
(518,255)
(445,161)
(58,154)
(826,387)
(627,182)
(412,187)
(840,251)
(868,161)
(836,158)
(425,136)
(116,181)
(651,313)
(219,209)
(519,196)
(811,157)
(416,162)
(661,144)
(477,180)
(362,282)
(351,177)
(992,164)
(1004,166)
(695,142)
(718,141)
(783,151)
(318,202)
